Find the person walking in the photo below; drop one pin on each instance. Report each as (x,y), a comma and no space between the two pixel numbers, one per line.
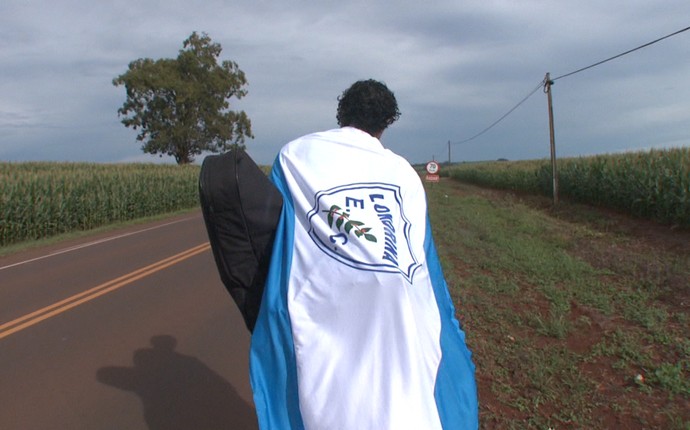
(357,329)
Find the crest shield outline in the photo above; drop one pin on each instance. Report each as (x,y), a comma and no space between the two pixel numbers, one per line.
(363,225)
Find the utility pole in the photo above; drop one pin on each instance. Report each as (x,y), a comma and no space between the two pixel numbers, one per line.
(554,171)
(449,152)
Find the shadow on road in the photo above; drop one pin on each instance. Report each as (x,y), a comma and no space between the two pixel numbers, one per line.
(179,391)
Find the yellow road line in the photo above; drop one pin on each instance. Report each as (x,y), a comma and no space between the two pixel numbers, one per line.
(78,299)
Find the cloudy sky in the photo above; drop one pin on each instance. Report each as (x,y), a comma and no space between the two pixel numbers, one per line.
(455,67)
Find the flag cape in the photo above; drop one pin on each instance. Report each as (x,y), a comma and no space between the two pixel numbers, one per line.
(356,329)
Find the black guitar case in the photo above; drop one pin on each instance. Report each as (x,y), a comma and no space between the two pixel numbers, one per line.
(241,208)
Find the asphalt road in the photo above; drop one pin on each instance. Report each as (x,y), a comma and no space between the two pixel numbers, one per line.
(129,329)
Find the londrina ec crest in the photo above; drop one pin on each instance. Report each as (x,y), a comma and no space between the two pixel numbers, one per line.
(363,226)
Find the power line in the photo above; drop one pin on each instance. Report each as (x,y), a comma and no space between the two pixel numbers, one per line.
(622,54)
(541,84)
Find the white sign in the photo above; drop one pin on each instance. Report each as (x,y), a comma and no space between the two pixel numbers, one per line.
(432,167)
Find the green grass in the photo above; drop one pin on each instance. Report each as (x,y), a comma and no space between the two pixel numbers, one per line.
(562,315)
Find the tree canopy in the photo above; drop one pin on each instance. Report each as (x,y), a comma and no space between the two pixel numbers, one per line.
(180,106)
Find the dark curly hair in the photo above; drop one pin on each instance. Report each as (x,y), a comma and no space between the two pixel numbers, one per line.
(367,105)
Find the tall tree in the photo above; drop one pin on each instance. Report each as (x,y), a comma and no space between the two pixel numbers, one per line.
(180,106)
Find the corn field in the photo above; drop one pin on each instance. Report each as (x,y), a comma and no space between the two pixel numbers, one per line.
(653,185)
(39,200)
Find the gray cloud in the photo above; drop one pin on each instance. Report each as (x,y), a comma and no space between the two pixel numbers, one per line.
(455,68)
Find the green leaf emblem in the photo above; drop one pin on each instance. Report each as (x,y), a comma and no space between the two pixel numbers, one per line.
(342,221)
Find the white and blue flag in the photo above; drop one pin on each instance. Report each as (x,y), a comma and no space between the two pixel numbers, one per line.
(357,330)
